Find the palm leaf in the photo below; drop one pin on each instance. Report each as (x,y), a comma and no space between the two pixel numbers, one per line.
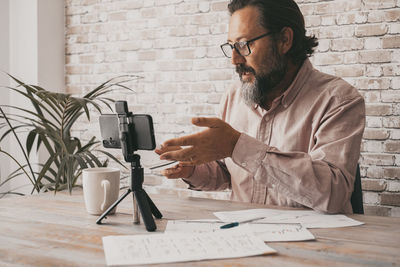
(49,101)
(108,83)
(45,168)
(7,132)
(69,121)
(20,166)
(20,145)
(29,140)
(90,143)
(81,162)
(112,157)
(87,159)
(60,173)
(38,115)
(93,158)
(29,121)
(36,103)
(2,194)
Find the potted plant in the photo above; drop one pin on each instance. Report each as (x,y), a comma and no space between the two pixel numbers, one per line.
(50,126)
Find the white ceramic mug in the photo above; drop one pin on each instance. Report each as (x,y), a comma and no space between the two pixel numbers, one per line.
(100,189)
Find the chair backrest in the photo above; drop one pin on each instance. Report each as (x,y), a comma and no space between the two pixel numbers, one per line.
(356,197)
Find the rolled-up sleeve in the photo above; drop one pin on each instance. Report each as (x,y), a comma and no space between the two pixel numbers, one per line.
(212,176)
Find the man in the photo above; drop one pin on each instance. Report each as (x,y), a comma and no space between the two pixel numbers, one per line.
(289,135)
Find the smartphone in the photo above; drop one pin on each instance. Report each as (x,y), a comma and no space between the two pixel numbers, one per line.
(144,131)
(141,131)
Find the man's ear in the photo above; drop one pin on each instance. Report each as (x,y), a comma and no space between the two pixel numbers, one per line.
(286,40)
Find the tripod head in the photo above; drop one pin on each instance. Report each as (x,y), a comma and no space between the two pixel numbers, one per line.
(126,132)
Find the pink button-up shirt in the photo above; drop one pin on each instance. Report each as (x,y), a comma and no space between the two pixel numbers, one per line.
(303,152)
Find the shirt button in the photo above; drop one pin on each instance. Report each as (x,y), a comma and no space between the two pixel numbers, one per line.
(244,164)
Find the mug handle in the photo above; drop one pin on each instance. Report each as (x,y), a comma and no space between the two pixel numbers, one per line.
(106,185)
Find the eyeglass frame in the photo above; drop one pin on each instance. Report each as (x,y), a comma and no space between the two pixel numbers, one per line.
(233,46)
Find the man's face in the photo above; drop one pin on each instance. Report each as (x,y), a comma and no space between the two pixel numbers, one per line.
(262,70)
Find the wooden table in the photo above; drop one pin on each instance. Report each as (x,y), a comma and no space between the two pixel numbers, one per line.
(55,230)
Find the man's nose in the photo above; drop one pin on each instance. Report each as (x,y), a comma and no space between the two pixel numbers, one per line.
(237,58)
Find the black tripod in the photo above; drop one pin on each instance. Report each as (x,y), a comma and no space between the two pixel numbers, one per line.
(129,141)
(140,197)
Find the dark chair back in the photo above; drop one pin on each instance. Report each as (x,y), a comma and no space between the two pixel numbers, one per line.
(356,197)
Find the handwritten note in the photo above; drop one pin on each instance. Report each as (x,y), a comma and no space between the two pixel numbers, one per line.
(267,232)
(189,226)
(307,218)
(180,247)
(281,232)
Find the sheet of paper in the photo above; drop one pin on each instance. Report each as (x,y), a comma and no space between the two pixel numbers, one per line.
(180,247)
(267,232)
(308,218)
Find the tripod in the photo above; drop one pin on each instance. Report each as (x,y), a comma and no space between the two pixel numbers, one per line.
(140,198)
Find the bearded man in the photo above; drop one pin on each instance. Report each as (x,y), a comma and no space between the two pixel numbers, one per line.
(288,134)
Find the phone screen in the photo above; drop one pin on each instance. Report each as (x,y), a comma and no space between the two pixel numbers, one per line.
(144,131)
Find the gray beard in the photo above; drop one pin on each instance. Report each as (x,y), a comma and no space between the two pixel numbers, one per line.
(258,92)
(251,93)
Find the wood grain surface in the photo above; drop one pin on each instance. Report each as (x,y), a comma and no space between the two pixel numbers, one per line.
(56,230)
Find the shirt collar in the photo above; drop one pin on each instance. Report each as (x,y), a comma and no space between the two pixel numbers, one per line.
(302,75)
(294,88)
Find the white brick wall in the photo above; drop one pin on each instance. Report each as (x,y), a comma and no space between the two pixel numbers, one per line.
(174,45)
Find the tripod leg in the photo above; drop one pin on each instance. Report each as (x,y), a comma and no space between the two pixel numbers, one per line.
(153,207)
(144,207)
(136,216)
(113,206)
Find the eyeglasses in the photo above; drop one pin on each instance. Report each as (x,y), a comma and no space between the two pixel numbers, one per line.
(242,48)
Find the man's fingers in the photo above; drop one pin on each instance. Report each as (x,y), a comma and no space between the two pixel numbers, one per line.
(206,122)
(194,139)
(180,155)
(180,141)
(172,173)
(186,163)
(163,149)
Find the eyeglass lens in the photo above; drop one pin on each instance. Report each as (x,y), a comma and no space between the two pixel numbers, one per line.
(243,49)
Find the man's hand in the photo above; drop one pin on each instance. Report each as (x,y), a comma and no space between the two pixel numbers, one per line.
(179,170)
(216,142)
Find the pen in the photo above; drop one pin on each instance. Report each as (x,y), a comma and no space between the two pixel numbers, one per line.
(162,165)
(233,224)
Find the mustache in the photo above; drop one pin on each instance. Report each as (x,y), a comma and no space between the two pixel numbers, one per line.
(241,68)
